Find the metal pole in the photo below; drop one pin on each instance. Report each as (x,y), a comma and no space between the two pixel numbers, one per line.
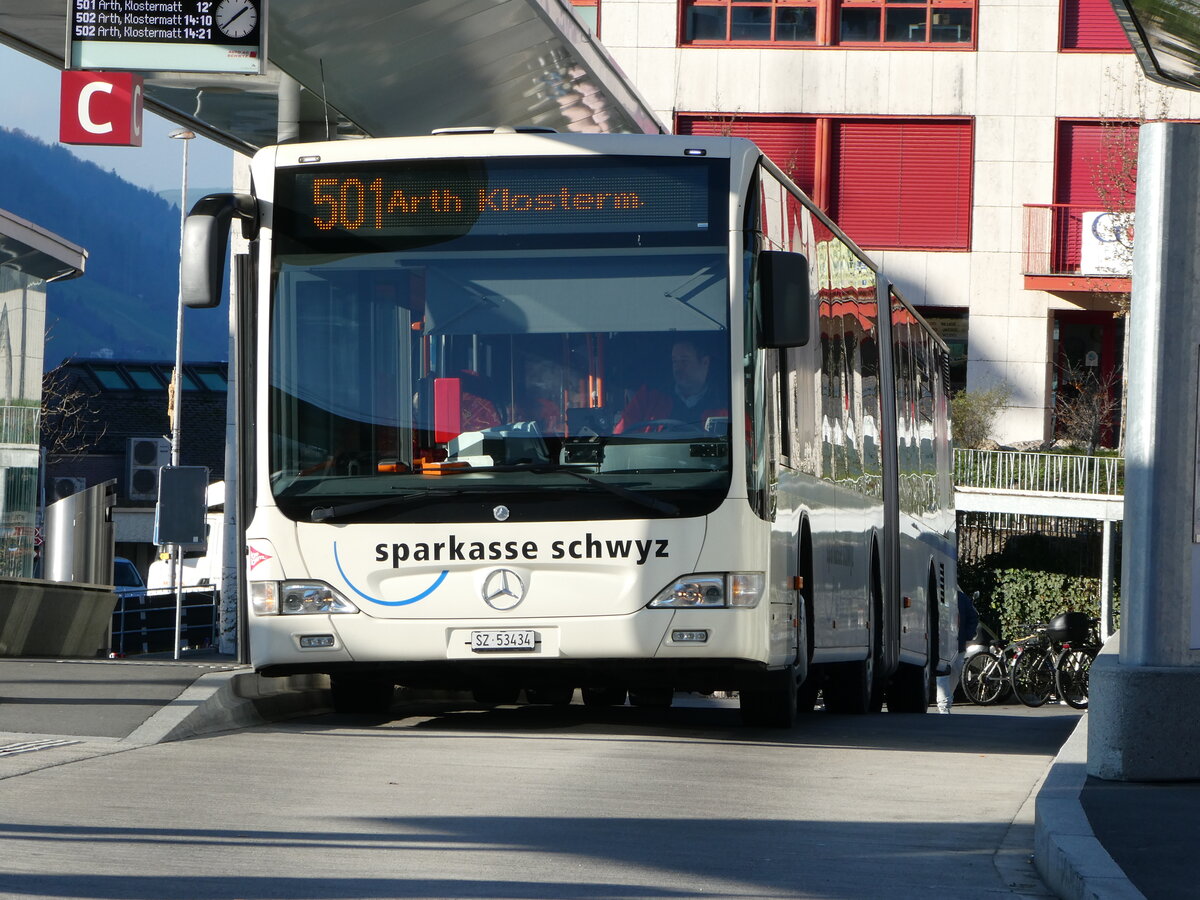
(1106,581)
(177,384)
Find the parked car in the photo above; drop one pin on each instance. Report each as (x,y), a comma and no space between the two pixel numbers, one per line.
(127,580)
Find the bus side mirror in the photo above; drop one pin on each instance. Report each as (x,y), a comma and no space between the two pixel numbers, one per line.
(783,288)
(205,236)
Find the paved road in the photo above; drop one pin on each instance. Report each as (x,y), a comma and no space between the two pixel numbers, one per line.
(540,803)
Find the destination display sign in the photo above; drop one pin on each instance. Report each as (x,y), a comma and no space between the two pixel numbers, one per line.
(167,35)
(525,196)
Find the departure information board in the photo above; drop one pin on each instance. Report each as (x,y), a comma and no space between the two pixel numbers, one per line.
(167,35)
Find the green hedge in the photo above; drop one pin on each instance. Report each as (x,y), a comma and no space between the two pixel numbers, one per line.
(1021,596)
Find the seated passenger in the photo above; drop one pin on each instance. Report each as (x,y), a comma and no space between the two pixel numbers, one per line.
(693,397)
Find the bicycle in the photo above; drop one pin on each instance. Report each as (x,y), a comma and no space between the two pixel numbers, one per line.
(984,678)
(1080,644)
(1054,661)
(1032,672)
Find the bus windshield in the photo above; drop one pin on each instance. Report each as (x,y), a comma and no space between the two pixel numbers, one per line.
(568,367)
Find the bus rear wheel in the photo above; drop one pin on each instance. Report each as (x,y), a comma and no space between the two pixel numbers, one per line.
(908,691)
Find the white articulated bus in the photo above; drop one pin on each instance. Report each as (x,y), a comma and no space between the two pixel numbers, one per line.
(626,413)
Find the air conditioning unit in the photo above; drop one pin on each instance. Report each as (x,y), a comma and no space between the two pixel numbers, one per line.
(143,458)
(65,486)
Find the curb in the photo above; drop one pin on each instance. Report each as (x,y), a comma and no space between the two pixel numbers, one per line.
(221,701)
(1073,863)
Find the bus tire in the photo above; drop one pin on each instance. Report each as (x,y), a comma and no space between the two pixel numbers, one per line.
(911,687)
(854,687)
(849,687)
(357,695)
(773,703)
(908,691)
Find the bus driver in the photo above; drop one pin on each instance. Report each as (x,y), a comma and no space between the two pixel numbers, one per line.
(693,400)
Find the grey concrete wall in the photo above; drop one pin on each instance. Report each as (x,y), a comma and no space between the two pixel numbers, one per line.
(46,618)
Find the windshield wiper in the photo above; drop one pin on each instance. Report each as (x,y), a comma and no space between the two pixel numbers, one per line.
(325,513)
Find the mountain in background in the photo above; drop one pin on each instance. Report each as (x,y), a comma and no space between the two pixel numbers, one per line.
(124,306)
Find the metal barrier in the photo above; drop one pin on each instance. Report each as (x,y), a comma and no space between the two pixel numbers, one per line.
(146,623)
(1054,473)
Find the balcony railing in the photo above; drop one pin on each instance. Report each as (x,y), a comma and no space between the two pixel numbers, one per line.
(1053,473)
(19,425)
(1055,241)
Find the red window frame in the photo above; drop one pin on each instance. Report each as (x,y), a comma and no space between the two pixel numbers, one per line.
(890,183)
(851,24)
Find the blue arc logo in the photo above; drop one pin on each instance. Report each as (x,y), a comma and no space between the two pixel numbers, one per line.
(421,596)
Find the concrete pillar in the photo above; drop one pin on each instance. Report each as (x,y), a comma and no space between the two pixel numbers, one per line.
(1143,722)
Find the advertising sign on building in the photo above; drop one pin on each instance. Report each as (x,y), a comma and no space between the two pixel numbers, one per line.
(1106,243)
(167,35)
(100,108)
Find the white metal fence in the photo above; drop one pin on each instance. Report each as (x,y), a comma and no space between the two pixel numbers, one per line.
(1054,473)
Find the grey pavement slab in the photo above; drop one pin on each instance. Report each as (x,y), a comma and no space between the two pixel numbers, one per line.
(100,698)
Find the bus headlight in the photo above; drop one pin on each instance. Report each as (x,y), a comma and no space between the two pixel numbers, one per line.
(297,598)
(742,589)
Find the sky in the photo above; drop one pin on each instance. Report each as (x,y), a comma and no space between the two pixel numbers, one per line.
(157,165)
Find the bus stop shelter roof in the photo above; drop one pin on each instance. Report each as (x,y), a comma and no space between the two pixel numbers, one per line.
(1165,35)
(36,252)
(385,68)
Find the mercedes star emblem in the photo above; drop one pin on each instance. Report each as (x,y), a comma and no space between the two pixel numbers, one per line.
(501,513)
(503,589)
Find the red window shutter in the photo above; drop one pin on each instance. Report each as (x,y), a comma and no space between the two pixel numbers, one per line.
(1092,173)
(788,141)
(1092,25)
(904,183)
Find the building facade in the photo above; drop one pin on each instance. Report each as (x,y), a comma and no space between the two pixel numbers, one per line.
(983,151)
(116,428)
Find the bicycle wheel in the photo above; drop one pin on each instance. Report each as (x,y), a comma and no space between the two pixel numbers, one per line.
(1032,676)
(1071,677)
(983,680)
